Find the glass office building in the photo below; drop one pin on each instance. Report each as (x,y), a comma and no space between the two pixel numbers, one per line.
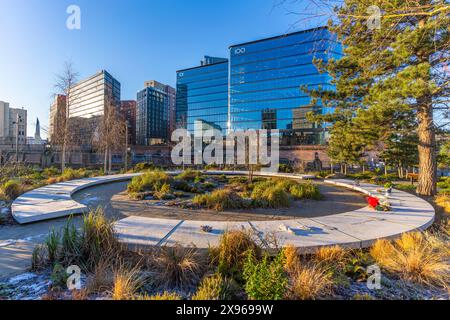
(152,117)
(266,77)
(202,95)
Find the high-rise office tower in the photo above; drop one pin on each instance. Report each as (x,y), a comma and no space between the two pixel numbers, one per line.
(266,77)
(202,95)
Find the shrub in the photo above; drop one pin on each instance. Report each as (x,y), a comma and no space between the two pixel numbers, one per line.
(286,168)
(181,185)
(275,192)
(220,200)
(310,282)
(143,166)
(150,181)
(216,287)
(164,296)
(415,257)
(178,267)
(231,252)
(190,175)
(163,193)
(71,174)
(50,172)
(11,189)
(265,279)
(59,276)
(275,197)
(305,191)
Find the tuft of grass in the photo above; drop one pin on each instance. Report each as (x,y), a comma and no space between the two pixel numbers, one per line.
(231,253)
(98,239)
(415,257)
(52,244)
(189,175)
(178,267)
(292,258)
(39,258)
(167,296)
(331,256)
(444,202)
(11,189)
(101,279)
(219,200)
(126,283)
(149,181)
(310,283)
(217,287)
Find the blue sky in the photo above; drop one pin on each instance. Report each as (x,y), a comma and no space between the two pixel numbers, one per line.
(134,40)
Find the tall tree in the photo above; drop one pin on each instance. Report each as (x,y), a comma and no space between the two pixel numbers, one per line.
(395,62)
(110,134)
(64,84)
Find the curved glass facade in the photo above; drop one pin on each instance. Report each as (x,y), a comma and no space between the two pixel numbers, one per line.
(260,87)
(202,95)
(266,77)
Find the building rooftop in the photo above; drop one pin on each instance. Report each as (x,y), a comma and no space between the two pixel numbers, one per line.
(280,36)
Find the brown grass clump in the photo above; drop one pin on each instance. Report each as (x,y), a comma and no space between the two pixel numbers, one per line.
(126,283)
(101,279)
(178,267)
(160,297)
(444,202)
(52,180)
(231,253)
(292,259)
(416,257)
(310,283)
(80,295)
(331,256)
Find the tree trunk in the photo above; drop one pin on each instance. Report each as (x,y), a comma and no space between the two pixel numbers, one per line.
(110,161)
(63,157)
(427,150)
(105,161)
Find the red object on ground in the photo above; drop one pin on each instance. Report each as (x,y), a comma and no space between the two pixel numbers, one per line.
(373,202)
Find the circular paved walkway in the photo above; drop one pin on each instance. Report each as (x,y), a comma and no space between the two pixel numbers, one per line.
(355,229)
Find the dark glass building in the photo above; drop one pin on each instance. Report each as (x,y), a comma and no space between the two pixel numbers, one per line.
(266,77)
(202,95)
(151,117)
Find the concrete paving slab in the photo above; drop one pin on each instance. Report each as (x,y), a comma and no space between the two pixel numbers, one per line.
(144,232)
(305,234)
(189,233)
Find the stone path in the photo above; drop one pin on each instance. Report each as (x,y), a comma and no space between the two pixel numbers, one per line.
(355,229)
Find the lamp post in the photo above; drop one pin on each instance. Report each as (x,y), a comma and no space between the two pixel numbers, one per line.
(126,146)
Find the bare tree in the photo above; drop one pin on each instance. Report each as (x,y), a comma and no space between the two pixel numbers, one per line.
(64,84)
(110,135)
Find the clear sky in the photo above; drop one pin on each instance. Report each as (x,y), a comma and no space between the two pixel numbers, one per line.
(135,40)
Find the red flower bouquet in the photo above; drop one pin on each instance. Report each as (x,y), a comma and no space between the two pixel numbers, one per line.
(373,202)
